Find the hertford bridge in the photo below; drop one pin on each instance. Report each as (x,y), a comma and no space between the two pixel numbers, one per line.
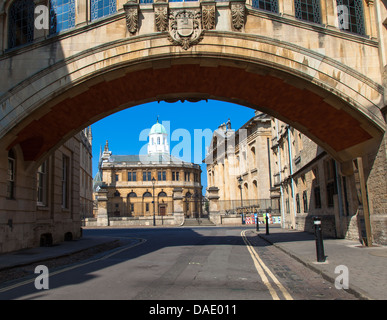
(319,65)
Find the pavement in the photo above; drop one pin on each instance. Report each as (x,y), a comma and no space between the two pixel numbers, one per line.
(367,272)
(26,257)
(367,266)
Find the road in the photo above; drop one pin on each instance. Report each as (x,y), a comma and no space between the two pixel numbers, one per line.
(203,263)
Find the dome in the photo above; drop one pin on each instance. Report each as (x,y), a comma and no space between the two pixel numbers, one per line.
(157,128)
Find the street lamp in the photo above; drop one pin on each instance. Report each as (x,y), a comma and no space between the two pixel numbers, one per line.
(153,184)
(240,181)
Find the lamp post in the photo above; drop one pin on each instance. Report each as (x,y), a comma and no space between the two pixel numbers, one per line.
(153,184)
(240,181)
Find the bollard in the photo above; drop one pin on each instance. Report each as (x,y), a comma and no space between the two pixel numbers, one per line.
(319,239)
(267,224)
(257,223)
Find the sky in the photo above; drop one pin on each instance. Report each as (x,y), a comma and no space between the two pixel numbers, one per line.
(189,125)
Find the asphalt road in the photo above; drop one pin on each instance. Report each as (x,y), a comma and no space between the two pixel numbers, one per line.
(204,263)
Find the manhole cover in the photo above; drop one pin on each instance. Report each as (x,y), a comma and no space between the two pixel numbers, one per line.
(381,253)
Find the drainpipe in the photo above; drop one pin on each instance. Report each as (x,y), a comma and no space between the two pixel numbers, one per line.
(291,170)
(280,177)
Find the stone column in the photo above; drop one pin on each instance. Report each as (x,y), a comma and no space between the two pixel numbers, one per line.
(214,210)
(178,209)
(102,213)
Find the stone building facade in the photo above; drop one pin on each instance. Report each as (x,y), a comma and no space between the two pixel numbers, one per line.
(238,165)
(299,177)
(86,173)
(139,187)
(55,214)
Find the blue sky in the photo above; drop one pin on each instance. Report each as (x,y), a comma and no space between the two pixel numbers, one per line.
(123,128)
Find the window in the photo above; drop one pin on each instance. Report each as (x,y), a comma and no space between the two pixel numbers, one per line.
(268,5)
(21,23)
(330,180)
(42,182)
(65,182)
(162,194)
(132,176)
(186,176)
(305,201)
(175,176)
(132,195)
(308,10)
(317,198)
(116,177)
(298,205)
(350,15)
(147,194)
(158,140)
(146,207)
(102,8)
(162,175)
(11,175)
(146,176)
(62,15)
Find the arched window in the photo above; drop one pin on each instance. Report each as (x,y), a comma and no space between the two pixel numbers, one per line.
(162,194)
(351,16)
(308,10)
(132,195)
(21,23)
(102,8)
(11,175)
(267,5)
(62,15)
(147,194)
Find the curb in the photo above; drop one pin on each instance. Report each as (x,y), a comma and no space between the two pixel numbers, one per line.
(53,257)
(359,293)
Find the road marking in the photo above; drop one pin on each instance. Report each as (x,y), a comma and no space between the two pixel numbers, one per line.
(261,267)
(19,284)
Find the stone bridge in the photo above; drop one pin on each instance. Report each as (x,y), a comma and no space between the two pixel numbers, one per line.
(302,61)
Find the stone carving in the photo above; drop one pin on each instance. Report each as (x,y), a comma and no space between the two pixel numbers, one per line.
(131,15)
(161,16)
(238,14)
(208,16)
(185,28)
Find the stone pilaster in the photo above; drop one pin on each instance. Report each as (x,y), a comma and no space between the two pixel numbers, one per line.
(102,213)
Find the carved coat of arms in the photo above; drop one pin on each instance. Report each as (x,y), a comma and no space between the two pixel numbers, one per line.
(185,28)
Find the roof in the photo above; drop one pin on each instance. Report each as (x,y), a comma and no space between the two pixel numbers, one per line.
(157,128)
(158,158)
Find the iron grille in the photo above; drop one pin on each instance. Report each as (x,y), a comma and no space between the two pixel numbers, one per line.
(102,8)
(62,15)
(21,23)
(350,15)
(308,10)
(267,5)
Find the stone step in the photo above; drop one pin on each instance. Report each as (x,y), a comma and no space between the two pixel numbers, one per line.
(198,222)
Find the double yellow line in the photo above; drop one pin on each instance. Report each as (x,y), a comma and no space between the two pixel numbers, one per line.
(261,268)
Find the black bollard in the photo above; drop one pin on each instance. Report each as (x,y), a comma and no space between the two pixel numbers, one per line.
(257,223)
(319,239)
(267,224)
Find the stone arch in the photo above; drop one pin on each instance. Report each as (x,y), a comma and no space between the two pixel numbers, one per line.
(301,94)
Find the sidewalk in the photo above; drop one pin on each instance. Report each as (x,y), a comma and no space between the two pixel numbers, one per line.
(34,255)
(367,266)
